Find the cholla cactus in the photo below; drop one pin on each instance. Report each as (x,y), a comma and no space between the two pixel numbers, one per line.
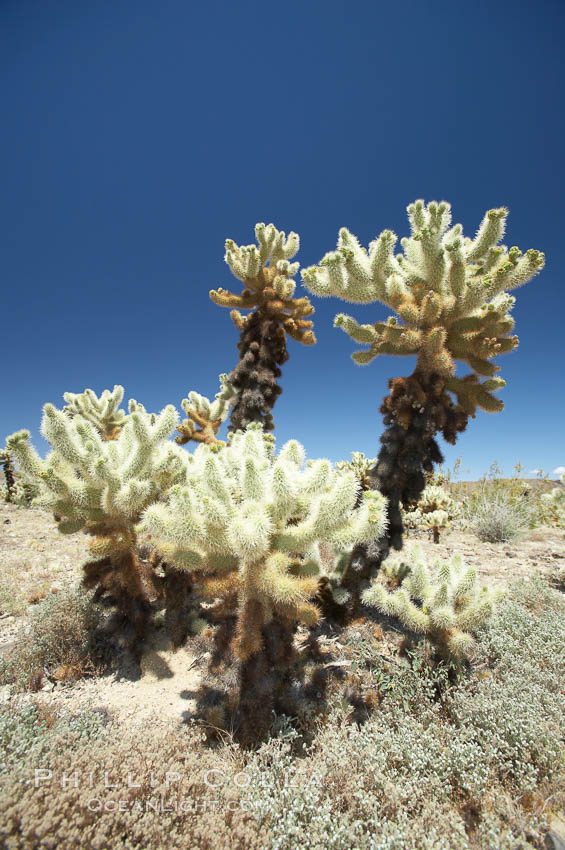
(245,509)
(444,602)
(22,494)
(361,466)
(104,412)
(266,272)
(102,487)
(249,523)
(555,501)
(8,467)
(205,417)
(450,294)
(436,510)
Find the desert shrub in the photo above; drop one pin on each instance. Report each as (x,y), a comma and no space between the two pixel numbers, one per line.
(472,769)
(62,639)
(30,732)
(513,499)
(474,765)
(557,578)
(519,712)
(496,518)
(136,791)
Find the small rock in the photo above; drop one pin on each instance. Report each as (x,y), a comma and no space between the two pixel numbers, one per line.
(511,554)
(7,521)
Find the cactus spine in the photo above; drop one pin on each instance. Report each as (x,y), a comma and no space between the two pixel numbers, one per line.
(266,273)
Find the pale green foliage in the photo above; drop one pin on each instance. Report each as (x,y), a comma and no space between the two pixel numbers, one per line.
(86,479)
(500,507)
(27,736)
(496,517)
(407,777)
(444,601)
(555,502)
(104,412)
(450,292)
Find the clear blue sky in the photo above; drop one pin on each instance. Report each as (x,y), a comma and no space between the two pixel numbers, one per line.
(138,136)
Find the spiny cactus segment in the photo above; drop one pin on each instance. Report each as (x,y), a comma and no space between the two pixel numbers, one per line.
(104,412)
(205,417)
(450,294)
(246,509)
(361,466)
(444,601)
(249,521)
(266,272)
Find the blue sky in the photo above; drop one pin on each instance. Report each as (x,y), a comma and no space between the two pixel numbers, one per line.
(138,136)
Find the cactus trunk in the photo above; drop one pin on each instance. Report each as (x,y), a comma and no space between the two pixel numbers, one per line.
(414,412)
(129,584)
(262,351)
